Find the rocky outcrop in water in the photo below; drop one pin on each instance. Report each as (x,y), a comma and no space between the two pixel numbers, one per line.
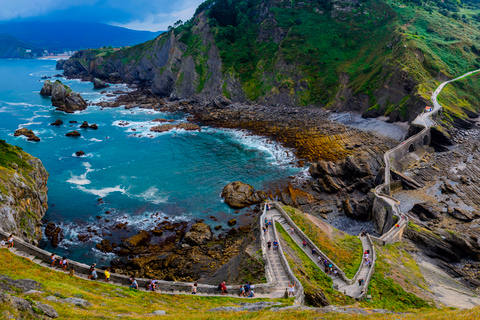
(73,133)
(63,97)
(184,125)
(27,133)
(99,84)
(23,193)
(239,195)
(54,234)
(57,122)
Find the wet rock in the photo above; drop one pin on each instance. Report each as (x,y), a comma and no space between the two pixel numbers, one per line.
(104,246)
(239,195)
(159,120)
(232,222)
(140,240)
(74,133)
(54,234)
(184,125)
(65,99)
(79,153)
(57,122)
(84,125)
(198,234)
(99,84)
(218,228)
(27,133)
(93,126)
(72,121)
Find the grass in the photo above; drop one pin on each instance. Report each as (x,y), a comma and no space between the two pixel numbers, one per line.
(345,250)
(396,277)
(309,274)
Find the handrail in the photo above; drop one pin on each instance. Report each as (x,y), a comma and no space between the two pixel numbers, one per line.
(310,243)
(370,271)
(299,292)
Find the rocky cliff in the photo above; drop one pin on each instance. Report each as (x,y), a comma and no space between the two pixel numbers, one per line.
(23,193)
(63,97)
(346,55)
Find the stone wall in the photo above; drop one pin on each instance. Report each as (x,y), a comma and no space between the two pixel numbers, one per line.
(163,286)
(303,236)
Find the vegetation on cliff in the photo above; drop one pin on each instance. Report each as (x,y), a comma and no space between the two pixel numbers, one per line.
(377,57)
(23,192)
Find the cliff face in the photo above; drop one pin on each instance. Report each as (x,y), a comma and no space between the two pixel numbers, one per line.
(373,57)
(23,193)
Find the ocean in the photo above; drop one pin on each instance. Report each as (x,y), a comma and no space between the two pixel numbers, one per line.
(142,177)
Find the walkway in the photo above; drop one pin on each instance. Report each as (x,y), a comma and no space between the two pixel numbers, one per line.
(353,290)
(383,190)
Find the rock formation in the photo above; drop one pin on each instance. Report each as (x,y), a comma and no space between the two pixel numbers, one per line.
(239,195)
(184,125)
(79,153)
(27,133)
(74,133)
(99,84)
(57,122)
(54,234)
(63,97)
(47,88)
(198,234)
(23,195)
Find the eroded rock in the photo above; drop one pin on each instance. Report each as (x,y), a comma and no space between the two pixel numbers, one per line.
(239,195)
(198,234)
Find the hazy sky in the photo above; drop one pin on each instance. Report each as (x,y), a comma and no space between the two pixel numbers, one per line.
(153,15)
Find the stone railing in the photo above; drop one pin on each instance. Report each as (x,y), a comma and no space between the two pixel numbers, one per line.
(371,270)
(162,285)
(299,293)
(269,273)
(303,236)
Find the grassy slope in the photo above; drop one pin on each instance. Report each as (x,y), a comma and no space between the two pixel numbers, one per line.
(370,42)
(108,300)
(461,94)
(309,274)
(345,250)
(397,276)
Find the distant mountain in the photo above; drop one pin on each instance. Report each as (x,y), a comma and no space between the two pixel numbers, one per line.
(11,47)
(67,35)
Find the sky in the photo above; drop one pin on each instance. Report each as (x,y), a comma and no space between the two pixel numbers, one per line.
(151,15)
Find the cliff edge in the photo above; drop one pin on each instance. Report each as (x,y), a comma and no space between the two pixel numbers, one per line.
(23,193)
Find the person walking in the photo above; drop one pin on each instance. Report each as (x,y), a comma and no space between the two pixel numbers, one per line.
(304,243)
(194,288)
(10,241)
(134,284)
(53,259)
(107,275)
(291,289)
(275,245)
(269,244)
(223,287)
(242,291)
(64,263)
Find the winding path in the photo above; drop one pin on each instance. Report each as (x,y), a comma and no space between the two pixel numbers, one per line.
(341,283)
(383,190)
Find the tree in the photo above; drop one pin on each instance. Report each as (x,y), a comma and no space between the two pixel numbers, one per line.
(178,23)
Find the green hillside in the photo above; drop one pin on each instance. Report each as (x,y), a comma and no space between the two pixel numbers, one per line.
(372,56)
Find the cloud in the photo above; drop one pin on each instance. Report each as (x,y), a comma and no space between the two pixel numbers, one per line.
(153,15)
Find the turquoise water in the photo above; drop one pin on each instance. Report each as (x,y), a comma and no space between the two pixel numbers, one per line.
(142,177)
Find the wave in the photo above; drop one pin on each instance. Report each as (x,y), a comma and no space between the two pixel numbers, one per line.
(81,180)
(153,195)
(276,153)
(102,193)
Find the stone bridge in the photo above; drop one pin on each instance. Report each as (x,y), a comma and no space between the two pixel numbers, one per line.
(392,222)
